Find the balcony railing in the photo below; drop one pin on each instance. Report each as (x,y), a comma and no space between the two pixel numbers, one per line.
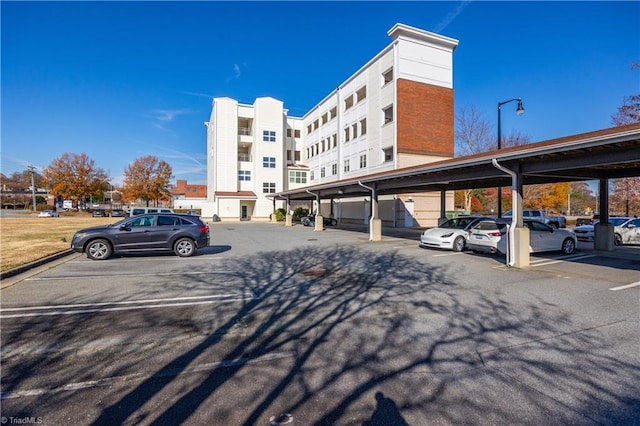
(244,131)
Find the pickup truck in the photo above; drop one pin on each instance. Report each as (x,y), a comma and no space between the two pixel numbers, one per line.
(540,216)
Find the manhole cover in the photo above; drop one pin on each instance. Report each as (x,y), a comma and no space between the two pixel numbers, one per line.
(315,272)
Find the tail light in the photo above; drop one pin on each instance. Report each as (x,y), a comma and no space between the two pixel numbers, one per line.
(495,234)
(204,229)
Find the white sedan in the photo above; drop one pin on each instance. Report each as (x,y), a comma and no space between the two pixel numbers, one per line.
(48,213)
(451,234)
(542,237)
(627,232)
(587,233)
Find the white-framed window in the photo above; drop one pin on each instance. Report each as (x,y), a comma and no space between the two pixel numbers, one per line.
(346,134)
(387,76)
(334,169)
(269,162)
(322,172)
(361,93)
(363,126)
(244,175)
(346,165)
(363,161)
(297,176)
(311,175)
(296,155)
(388,114)
(268,136)
(348,102)
(268,187)
(296,133)
(354,130)
(388,154)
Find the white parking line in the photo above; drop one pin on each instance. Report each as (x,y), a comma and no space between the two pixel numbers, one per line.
(623,287)
(114,306)
(561,259)
(448,254)
(139,376)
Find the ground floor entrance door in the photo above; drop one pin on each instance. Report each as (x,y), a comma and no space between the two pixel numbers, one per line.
(243,213)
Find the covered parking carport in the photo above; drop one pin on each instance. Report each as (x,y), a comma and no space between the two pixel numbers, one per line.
(600,155)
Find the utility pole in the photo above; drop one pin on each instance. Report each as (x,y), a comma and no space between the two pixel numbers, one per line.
(32,169)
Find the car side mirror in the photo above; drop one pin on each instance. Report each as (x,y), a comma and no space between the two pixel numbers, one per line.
(124,228)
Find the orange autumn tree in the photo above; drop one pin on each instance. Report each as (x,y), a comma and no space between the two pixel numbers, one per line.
(147,179)
(75,177)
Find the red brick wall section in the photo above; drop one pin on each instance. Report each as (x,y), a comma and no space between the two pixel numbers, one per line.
(425,119)
(188,190)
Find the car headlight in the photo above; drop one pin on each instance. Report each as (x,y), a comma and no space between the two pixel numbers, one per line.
(446,235)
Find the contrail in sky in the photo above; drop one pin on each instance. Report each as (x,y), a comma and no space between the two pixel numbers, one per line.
(451,16)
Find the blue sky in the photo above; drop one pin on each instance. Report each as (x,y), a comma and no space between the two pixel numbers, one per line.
(122,80)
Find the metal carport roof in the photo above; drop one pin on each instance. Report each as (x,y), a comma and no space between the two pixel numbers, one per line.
(608,153)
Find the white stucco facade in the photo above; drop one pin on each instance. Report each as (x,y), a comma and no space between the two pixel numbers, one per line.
(395,111)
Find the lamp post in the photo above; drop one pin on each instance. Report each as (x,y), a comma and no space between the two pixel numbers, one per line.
(519,111)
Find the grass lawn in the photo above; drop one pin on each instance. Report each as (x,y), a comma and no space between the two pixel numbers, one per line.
(29,238)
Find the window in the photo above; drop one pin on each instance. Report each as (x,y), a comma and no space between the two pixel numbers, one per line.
(346,134)
(318,148)
(288,133)
(296,133)
(361,93)
(333,112)
(387,77)
(363,126)
(388,154)
(363,161)
(243,156)
(269,136)
(315,124)
(269,162)
(296,155)
(244,175)
(346,165)
(334,169)
(309,129)
(268,187)
(348,103)
(311,175)
(288,155)
(325,118)
(296,176)
(334,138)
(388,114)
(322,172)
(354,130)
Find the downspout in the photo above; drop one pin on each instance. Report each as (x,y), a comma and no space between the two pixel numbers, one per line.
(317,199)
(371,214)
(514,212)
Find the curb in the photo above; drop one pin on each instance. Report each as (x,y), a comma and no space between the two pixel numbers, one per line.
(24,268)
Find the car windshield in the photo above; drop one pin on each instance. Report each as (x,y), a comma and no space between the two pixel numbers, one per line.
(457,223)
(617,221)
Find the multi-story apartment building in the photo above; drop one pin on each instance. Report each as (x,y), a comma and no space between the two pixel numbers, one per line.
(395,111)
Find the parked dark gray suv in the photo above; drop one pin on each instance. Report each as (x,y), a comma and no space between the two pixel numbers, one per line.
(180,233)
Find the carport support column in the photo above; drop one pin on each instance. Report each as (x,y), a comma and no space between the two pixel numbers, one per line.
(443,207)
(603,232)
(288,221)
(375,224)
(521,235)
(319,218)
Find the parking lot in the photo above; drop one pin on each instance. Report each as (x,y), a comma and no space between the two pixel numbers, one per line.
(271,325)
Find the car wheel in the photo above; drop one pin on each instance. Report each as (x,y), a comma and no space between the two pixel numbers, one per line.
(458,244)
(568,246)
(99,249)
(184,247)
(617,239)
(334,222)
(553,225)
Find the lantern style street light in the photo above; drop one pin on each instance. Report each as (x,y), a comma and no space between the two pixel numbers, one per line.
(519,111)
